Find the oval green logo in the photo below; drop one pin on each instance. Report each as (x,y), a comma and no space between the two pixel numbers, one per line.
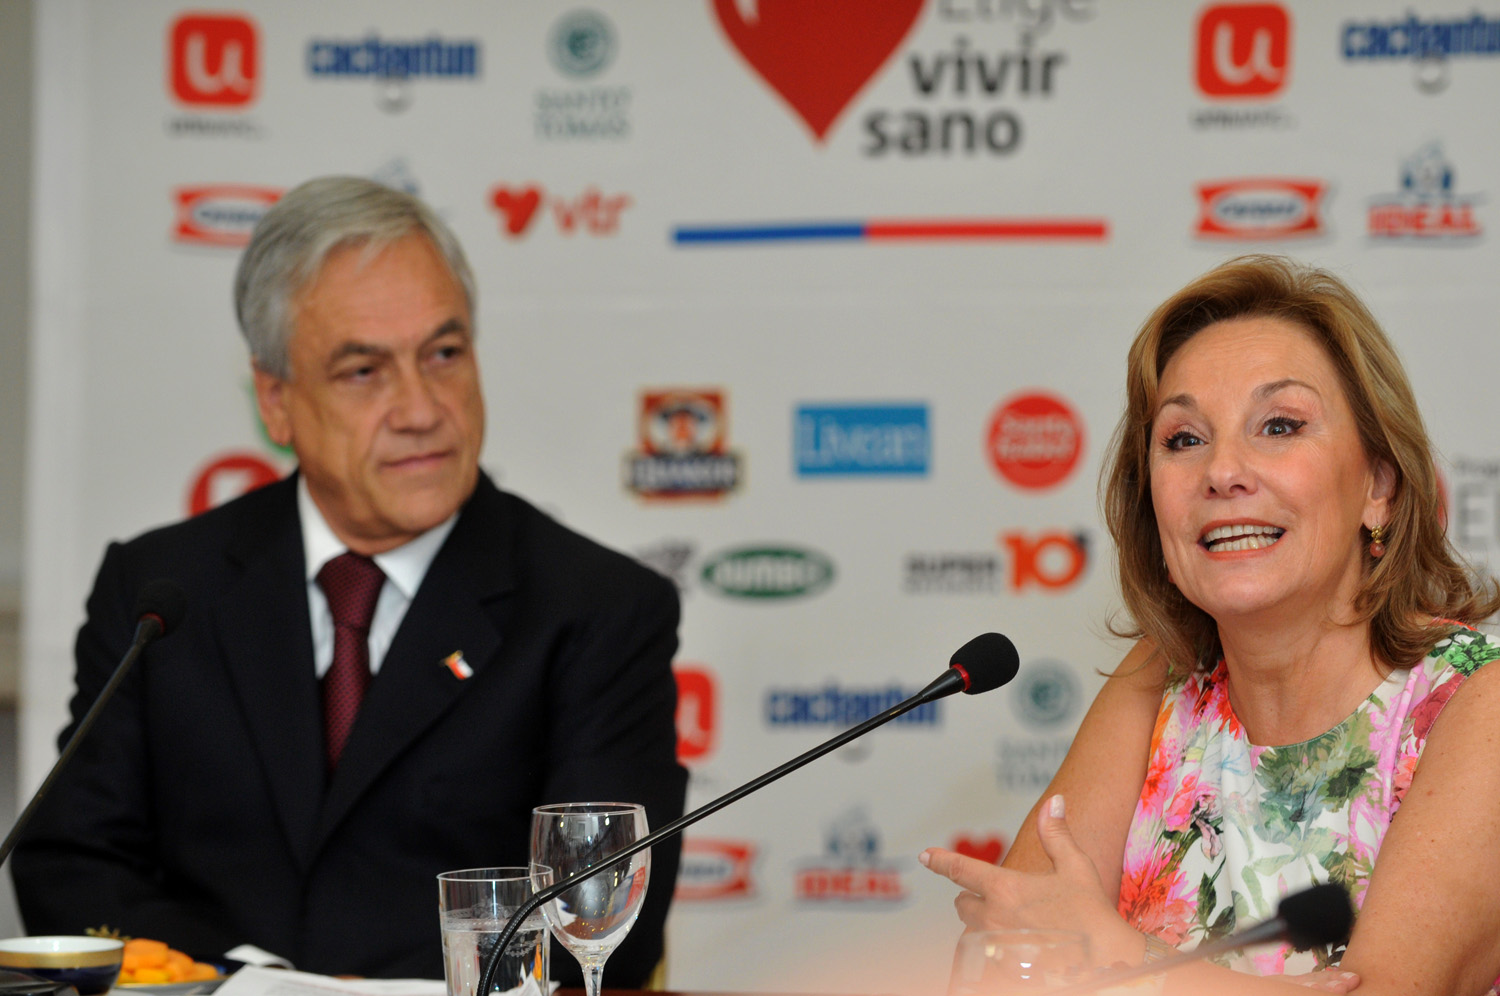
(768,572)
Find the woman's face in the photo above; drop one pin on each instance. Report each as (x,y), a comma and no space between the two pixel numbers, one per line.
(1258,477)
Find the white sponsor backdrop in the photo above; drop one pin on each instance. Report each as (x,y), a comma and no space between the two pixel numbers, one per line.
(1099,113)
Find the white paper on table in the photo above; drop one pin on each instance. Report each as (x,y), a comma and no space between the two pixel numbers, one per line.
(255,981)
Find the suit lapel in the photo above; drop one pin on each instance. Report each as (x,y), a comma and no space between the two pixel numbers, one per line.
(452,611)
(264,628)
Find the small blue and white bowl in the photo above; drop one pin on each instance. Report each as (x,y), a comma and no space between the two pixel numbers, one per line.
(88,964)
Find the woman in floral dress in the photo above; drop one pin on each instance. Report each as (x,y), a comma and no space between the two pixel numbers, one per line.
(1306,667)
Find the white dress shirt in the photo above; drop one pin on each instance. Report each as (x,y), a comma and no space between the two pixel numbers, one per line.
(404,568)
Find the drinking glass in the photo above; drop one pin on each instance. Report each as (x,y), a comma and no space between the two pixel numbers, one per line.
(1001,962)
(475,904)
(593,917)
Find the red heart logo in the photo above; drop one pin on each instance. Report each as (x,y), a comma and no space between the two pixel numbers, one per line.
(991,849)
(816,53)
(516,206)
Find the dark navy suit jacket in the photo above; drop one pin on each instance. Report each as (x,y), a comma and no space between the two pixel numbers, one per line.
(198,810)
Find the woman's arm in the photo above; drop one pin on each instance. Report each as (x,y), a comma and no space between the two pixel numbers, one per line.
(1431,918)
(1102,774)
(1101,779)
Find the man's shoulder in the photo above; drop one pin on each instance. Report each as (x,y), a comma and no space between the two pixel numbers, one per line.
(240,522)
(544,549)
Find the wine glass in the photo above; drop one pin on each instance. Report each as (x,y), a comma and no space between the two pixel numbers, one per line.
(593,917)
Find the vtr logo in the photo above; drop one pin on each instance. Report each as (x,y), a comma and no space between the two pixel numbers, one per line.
(214,59)
(1244,49)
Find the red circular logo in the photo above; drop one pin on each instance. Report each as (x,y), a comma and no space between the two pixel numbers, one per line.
(227,477)
(1035,440)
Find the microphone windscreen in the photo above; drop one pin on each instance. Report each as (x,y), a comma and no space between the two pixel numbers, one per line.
(163,599)
(1317,916)
(990,660)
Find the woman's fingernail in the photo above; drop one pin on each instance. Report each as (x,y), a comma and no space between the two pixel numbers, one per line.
(1055,807)
(926,858)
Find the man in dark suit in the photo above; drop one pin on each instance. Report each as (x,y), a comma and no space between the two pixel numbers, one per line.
(385,663)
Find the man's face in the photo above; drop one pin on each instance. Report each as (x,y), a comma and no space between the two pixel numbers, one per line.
(382,406)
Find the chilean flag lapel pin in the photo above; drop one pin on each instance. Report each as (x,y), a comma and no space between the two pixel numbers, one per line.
(455,662)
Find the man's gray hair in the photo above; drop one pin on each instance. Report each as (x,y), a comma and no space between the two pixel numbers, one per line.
(294,238)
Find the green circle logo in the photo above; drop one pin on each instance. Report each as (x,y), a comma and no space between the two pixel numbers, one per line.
(582,43)
(1046,694)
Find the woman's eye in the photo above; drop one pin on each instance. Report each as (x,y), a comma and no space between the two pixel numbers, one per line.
(1181,440)
(1283,426)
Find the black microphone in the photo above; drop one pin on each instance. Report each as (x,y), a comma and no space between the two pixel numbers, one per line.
(159,609)
(1311,918)
(984,663)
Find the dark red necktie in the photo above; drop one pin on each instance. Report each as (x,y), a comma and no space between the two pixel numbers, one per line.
(352,584)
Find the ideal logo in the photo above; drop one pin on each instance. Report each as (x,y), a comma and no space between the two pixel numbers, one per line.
(851,869)
(833,705)
(221,215)
(713,870)
(1052,561)
(683,446)
(213,60)
(1035,440)
(1244,49)
(842,440)
(697,712)
(768,572)
(791,45)
(591,212)
(228,476)
(1260,209)
(1426,209)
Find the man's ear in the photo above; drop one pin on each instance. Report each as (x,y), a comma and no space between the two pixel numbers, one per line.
(271,399)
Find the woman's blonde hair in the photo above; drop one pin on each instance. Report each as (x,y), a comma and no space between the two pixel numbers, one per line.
(1419,577)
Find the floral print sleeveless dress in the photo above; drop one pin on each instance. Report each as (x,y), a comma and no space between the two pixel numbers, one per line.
(1224,829)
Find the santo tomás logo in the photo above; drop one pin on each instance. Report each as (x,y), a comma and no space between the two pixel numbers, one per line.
(715,870)
(581,45)
(1049,702)
(1034,440)
(1426,209)
(1260,209)
(683,447)
(221,214)
(851,868)
(767,572)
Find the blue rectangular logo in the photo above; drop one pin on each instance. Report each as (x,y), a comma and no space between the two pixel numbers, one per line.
(841,440)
